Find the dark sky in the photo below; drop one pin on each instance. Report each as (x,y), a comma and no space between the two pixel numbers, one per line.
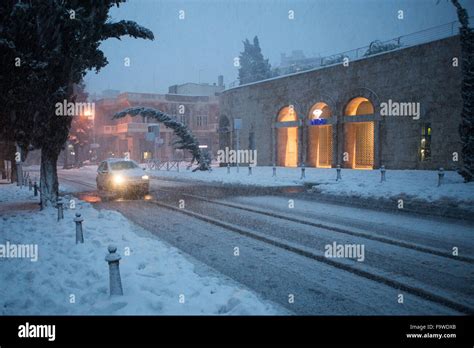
(204,43)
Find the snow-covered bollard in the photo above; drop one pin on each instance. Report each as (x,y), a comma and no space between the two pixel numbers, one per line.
(303,170)
(59,205)
(250,170)
(35,189)
(79,235)
(440,176)
(228,168)
(114,271)
(274,170)
(382,173)
(338,170)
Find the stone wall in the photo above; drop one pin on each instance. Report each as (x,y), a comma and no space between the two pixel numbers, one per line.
(422,74)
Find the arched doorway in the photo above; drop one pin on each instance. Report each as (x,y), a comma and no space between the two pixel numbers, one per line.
(359,135)
(319,136)
(287,137)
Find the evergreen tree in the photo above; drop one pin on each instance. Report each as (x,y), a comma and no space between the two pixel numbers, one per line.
(253,66)
(466,128)
(55,43)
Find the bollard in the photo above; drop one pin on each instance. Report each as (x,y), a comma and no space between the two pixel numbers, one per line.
(440,176)
(382,173)
(114,271)
(274,170)
(36,189)
(59,205)
(338,170)
(30,185)
(303,169)
(250,170)
(79,235)
(228,168)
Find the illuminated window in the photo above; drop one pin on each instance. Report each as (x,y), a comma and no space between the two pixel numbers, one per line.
(359,106)
(287,138)
(425,143)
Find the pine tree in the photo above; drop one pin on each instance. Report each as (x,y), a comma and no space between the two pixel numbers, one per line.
(57,42)
(253,66)
(466,128)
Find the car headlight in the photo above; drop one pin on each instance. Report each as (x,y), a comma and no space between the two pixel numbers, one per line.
(145,177)
(118,179)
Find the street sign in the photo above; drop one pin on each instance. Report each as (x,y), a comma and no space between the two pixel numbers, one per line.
(237,123)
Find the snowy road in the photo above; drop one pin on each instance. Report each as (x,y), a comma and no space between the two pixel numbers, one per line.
(404,255)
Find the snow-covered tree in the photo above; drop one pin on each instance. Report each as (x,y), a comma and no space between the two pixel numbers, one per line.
(466,128)
(55,42)
(186,140)
(253,66)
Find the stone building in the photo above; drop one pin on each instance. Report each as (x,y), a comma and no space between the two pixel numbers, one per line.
(360,115)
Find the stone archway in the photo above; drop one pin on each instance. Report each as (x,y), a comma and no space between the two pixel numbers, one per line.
(187,141)
(287,137)
(359,135)
(319,152)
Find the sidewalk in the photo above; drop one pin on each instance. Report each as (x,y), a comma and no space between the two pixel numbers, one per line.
(414,187)
(70,279)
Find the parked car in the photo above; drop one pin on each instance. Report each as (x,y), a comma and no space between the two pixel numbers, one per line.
(120,175)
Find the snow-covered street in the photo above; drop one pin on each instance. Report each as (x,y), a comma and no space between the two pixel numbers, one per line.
(274,244)
(67,278)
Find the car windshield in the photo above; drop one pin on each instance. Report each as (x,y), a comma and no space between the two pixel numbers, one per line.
(123,165)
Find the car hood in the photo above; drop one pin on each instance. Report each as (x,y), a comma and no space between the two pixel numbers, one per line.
(135,173)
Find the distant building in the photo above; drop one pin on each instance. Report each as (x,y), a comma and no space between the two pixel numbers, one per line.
(296,62)
(198,88)
(146,139)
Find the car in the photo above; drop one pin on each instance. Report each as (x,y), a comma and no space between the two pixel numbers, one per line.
(121,175)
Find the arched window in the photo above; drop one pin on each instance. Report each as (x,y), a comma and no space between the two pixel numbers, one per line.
(287,137)
(359,106)
(359,136)
(319,136)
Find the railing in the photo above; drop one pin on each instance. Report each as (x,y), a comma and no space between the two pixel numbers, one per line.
(423,36)
(156,164)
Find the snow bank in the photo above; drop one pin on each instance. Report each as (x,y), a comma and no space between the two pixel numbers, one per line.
(154,275)
(419,184)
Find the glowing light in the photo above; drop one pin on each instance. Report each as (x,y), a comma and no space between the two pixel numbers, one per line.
(118,179)
(145,177)
(317,113)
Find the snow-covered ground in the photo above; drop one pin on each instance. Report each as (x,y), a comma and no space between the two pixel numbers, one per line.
(157,278)
(419,184)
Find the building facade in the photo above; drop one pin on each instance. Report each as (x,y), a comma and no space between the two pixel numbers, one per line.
(145,139)
(400,109)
